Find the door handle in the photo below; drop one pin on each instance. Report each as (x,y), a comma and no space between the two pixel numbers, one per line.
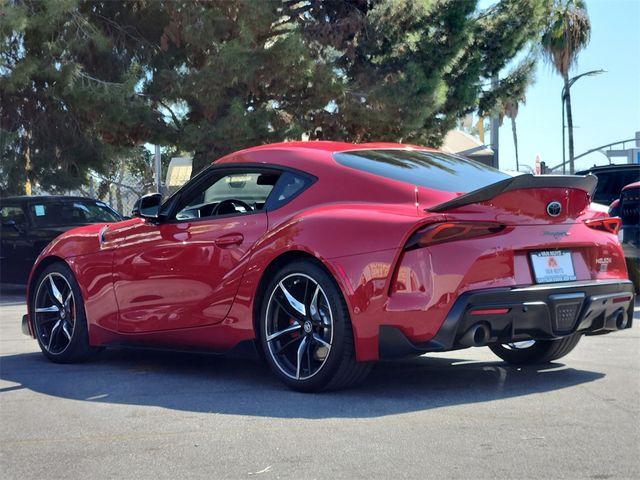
(229,239)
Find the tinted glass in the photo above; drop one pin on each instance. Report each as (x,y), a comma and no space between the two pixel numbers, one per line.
(611,183)
(289,185)
(428,169)
(15,213)
(77,212)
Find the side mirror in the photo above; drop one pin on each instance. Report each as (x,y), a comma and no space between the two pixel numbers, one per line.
(147,206)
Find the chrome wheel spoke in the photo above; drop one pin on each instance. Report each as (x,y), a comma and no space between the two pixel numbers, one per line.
(54,332)
(293,328)
(295,304)
(65,330)
(288,344)
(301,349)
(55,293)
(321,341)
(67,301)
(314,311)
(51,309)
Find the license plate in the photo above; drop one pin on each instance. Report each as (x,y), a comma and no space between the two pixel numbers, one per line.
(553,266)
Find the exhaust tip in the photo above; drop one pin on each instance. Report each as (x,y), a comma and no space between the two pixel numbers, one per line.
(621,321)
(477,336)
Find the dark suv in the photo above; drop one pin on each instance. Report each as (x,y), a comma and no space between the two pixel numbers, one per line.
(611,180)
(627,207)
(30,223)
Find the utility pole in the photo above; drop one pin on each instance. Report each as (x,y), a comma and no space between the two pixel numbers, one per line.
(158,169)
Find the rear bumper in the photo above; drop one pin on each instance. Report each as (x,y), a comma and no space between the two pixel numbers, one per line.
(538,312)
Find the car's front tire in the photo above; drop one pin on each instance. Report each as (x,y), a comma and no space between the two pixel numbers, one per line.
(305,330)
(58,316)
(536,351)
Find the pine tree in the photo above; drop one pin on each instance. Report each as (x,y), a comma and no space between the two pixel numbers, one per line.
(68,99)
(410,69)
(82,83)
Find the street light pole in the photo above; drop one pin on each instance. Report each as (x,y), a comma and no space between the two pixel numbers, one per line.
(564,100)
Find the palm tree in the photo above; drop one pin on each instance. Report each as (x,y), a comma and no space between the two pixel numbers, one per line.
(514,93)
(567,33)
(510,109)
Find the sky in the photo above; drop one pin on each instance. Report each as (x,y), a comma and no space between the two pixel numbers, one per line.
(606,107)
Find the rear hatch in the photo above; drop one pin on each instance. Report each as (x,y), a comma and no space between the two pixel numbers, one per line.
(519,231)
(483,228)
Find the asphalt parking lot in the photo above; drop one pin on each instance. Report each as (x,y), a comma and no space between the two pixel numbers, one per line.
(464,414)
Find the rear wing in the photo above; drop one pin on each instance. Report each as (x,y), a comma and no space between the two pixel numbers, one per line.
(586,183)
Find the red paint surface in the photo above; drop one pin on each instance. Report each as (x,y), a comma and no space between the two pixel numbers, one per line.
(173,285)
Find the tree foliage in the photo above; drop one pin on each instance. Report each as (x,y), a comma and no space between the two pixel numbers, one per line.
(68,97)
(83,83)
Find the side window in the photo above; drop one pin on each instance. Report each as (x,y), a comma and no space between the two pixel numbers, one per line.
(229,194)
(289,185)
(10,212)
(631,176)
(605,188)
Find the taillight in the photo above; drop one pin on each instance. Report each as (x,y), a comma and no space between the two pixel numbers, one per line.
(450,231)
(610,225)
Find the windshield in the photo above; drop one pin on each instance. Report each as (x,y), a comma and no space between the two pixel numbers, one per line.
(76,212)
(424,168)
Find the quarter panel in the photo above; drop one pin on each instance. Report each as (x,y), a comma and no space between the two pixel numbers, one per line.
(358,244)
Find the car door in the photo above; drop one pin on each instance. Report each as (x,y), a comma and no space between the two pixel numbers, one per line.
(16,257)
(184,271)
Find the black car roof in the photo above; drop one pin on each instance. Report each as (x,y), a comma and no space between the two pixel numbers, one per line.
(45,198)
(612,167)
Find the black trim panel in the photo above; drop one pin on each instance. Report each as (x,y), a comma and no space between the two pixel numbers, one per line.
(586,183)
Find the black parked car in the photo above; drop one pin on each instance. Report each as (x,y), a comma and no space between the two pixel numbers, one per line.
(611,180)
(30,223)
(627,207)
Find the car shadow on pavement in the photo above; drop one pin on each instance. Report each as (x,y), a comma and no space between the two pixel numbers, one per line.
(205,383)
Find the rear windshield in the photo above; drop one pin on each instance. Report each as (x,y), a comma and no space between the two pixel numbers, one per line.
(52,214)
(428,169)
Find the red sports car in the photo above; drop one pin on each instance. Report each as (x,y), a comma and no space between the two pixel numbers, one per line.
(330,256)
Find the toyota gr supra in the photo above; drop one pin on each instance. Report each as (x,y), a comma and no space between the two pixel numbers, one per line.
(329,256)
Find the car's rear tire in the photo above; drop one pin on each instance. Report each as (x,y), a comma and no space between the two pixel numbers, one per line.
(58,316)
(535,351)
(305,330)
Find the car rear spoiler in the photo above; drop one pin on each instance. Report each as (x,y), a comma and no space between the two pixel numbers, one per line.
(586,183)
